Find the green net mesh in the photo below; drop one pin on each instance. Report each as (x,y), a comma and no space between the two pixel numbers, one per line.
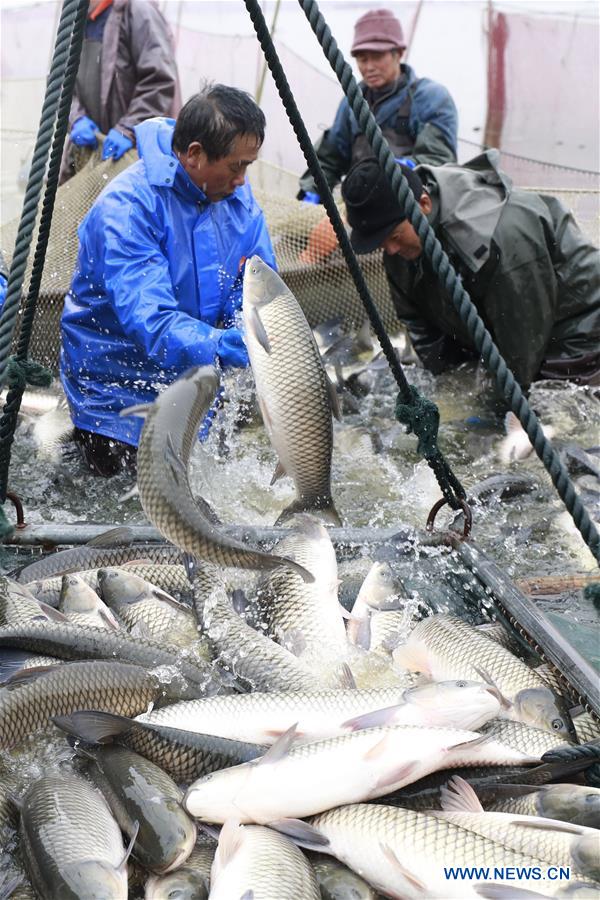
(323,287)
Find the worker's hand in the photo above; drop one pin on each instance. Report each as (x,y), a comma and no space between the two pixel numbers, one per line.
(311,197)
(115,145)
(83,132)
(231,349)
(406,161)
(321,242)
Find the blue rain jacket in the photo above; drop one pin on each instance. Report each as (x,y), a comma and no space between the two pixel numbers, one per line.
(159,272)
(431,104)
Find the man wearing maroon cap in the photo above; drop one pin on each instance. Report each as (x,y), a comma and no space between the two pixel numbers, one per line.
(416,115)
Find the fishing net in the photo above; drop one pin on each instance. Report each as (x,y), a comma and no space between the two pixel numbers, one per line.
(322,285)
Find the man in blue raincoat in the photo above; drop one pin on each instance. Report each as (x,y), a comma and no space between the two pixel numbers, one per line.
(159,273)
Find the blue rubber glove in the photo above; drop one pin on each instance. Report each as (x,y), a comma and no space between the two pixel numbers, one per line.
(231,349)
(311,197)
(83,132)
(115,145)
(406,161)
(3,284)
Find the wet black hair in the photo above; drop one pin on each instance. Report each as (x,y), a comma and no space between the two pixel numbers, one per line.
(215,117)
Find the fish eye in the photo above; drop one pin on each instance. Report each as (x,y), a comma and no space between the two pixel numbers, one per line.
(461,684)
(557,724)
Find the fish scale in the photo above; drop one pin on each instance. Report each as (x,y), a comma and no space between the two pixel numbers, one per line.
(265,716)
(264,865)
(306,615)
(359,835)
(110,686)
(169,577)
(76,559)
(74,642)
(460,651)
(292,386)
(523,737)
(249,654)
(66,826)
(170,431)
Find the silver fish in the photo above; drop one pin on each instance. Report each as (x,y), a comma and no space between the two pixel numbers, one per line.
(256,862)
(404,853)
(445,647)
(168,436)
(573,803)
(251,656)
(28,702)
(191,881)
(18,604)
(71,843)
(166,577)
(146,803)
(95,555)
(295,395)
(184,755)
(188,677)
(310,778)
(142,605)
(305,618)
(548,839)
(82,605)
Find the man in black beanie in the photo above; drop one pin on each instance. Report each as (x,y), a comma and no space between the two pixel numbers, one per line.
(532,274)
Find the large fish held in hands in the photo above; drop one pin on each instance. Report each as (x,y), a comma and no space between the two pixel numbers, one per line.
(295,396)
(170,431)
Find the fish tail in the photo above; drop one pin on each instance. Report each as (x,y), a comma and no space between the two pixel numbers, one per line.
(324,510)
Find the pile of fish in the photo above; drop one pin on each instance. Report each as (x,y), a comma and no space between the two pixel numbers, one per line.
(269,744)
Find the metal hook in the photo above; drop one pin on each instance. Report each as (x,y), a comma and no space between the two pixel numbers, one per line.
(466,512)
(18,505)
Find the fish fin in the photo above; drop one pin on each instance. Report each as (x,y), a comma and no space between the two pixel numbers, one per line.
(26,676)
(393,778)
(107,616)
(377,718)
(359,631)
(505,703)
(326,511)
(333,397)
(114,537)
(53,614)
(278,473)
(543,824)
(161,595)
(416,884)
(300,832)
(230,840)
(207,511)
(257,329)
(174,462)
(16,801)
(281,746)
(11,662)
(413,655)
(330,514)
(342,609)
(94,726)
(458,796)
(511,423)
(480,741)
(129,848)
(391,642)
(247,895)
(139,409)
(345,679)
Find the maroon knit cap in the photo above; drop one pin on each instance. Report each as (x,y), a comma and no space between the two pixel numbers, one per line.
(378,29)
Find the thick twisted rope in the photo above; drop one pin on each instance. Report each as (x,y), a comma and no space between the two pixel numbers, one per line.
(18,370)
(449,485)
(448,278)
